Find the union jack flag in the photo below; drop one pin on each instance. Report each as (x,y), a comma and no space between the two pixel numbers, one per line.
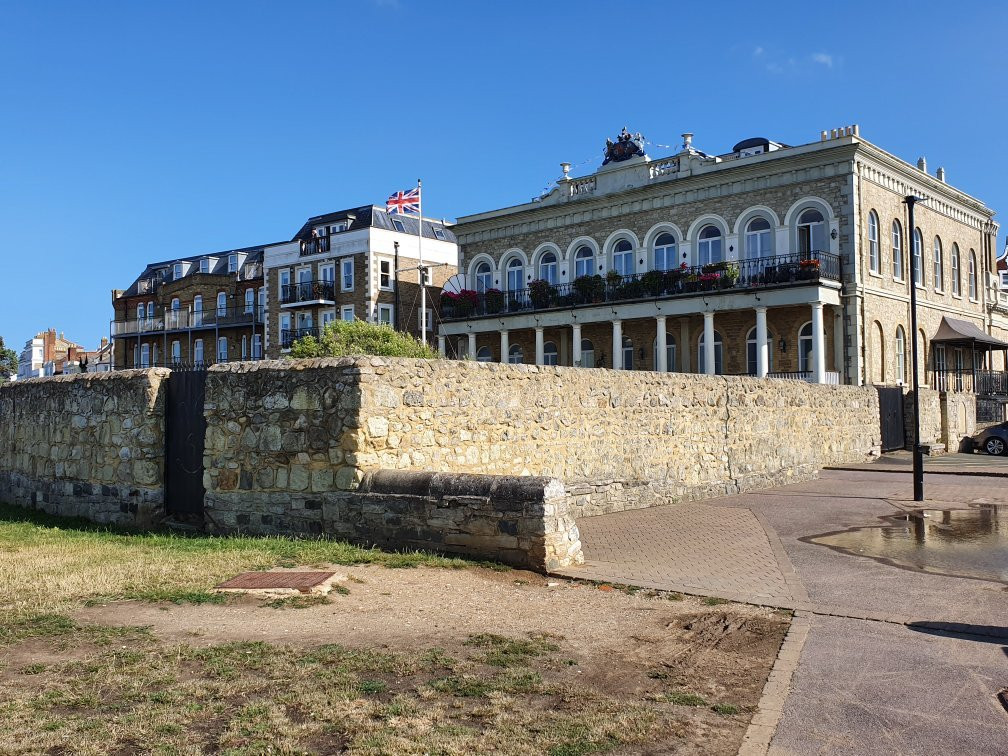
(404,202)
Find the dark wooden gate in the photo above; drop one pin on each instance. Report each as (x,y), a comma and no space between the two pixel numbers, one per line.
(185,431)
(891,416)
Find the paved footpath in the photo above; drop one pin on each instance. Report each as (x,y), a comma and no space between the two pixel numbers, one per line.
(870,666)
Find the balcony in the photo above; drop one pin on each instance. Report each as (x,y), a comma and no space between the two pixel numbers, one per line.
(830,377)
(289,335)
(980,382)
(321,292)
(167,320)
(764,272)
(316,246)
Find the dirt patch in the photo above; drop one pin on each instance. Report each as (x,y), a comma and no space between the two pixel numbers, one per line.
(505,662)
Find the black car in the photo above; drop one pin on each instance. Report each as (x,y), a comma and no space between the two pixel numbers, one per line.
(993,440)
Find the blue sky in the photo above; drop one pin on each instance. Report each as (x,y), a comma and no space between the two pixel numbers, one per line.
(140,131)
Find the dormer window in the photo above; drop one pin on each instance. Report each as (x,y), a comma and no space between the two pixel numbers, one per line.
(338,227)
(178,271)
(439,233)
(204,265)
(232,263)
(398,226)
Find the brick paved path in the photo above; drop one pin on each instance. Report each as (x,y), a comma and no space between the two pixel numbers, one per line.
(694,548)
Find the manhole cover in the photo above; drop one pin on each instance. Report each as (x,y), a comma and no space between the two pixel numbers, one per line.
(292,580)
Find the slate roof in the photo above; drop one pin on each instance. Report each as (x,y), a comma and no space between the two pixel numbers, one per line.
(373,216)
(162,271)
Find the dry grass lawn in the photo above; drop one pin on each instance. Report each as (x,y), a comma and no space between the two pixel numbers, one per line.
(113,643)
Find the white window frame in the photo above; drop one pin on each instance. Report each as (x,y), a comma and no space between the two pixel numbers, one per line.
(176,351)
(484,354)
(587,353)
(428,319)
(222,356)
(284,324)
(346,310)
(257,346)
(244,350)
(198,357)
(670,353)
(221,309)
(939,265)
(439,233)
(549,271)
(668,253)
(145,355)
(718,353)
(972,288)
(551,355)
(623,257)
(177,271)
(900,355)
(917,259)
(518,272)
(874,252)
(387,310)
(483,277)
(752,356)
(385,274)
(346,264)
(627,351)
(249,300)
(580,261)
(708,246)
(327,273)
(515,355)
(328,316)
(758,243)
(398,225)
(956,271)
(898,259)
(807,231)
(232,263)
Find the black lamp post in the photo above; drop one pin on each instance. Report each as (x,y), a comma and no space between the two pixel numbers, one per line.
(918,457)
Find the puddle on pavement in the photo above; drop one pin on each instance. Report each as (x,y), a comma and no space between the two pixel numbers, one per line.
(970,543)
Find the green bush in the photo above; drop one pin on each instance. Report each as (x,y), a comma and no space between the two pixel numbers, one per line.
(352,339)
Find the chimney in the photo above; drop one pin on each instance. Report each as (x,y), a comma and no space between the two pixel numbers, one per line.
(687,141)
(922,164)
(824,136)
(857,130)
(940,174)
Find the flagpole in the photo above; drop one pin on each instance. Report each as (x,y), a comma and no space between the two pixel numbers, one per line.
(423,289)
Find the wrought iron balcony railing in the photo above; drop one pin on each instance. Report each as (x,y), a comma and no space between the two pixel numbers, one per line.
(795,268)
(308,291)
(980,382)
(183,320)
(315,246)
(289,335)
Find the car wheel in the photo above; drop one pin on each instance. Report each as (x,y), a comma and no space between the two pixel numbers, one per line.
(994,446)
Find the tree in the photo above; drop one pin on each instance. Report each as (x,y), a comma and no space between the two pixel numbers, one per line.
(8,362)
(350,339)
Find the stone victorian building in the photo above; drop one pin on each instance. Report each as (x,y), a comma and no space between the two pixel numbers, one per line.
(195,310)
(791,261)
(360,263)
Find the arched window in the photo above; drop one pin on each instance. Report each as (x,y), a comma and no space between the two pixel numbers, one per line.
(515,356)
(150,310)
(483,277)
(550,354)
(627,353)
(222,350)
(484,354)
(249,300)
(173,318)
(918,257)
(874,258)
(665,252)
(758,239)
(805,348)
(198,351)
(548,268)
(811,232)
(670,353)
(623,257)
(939,266)
(709,245)
(897,250)
(140,311)
(900,355)
(972,275)
(221,304)
(956,274)
(197,306)
(176,352)
(751,351)
(515,274)
(587,353)
(718,354)
(584,261)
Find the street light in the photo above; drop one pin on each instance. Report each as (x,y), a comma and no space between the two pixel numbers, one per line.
(918,457)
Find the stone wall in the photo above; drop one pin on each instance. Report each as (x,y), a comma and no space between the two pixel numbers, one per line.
(88,445)
(958,418)
(281,434)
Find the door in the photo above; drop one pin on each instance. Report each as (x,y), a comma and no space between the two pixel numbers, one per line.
(185,430)
(891,417)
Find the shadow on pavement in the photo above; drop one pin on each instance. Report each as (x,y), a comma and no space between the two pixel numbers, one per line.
(978,633)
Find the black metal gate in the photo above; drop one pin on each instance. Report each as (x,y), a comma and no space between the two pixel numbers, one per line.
(185,431)
(891,416)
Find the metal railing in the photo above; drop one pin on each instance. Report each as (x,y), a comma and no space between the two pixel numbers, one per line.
(308,291)
(980,382)
(183,320)
(830,377)
(289,335)
(315,246)
(795,268)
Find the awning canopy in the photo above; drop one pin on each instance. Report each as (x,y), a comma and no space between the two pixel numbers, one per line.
(952,330)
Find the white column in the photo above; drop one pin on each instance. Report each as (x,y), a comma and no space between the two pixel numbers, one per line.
(617,344)
(661,351)
(708,342)
(818,345)
(576,344)
(471,354)
(539,346)
(441,345)
(838,343)
(685,347)
(762,349)
(504,346)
